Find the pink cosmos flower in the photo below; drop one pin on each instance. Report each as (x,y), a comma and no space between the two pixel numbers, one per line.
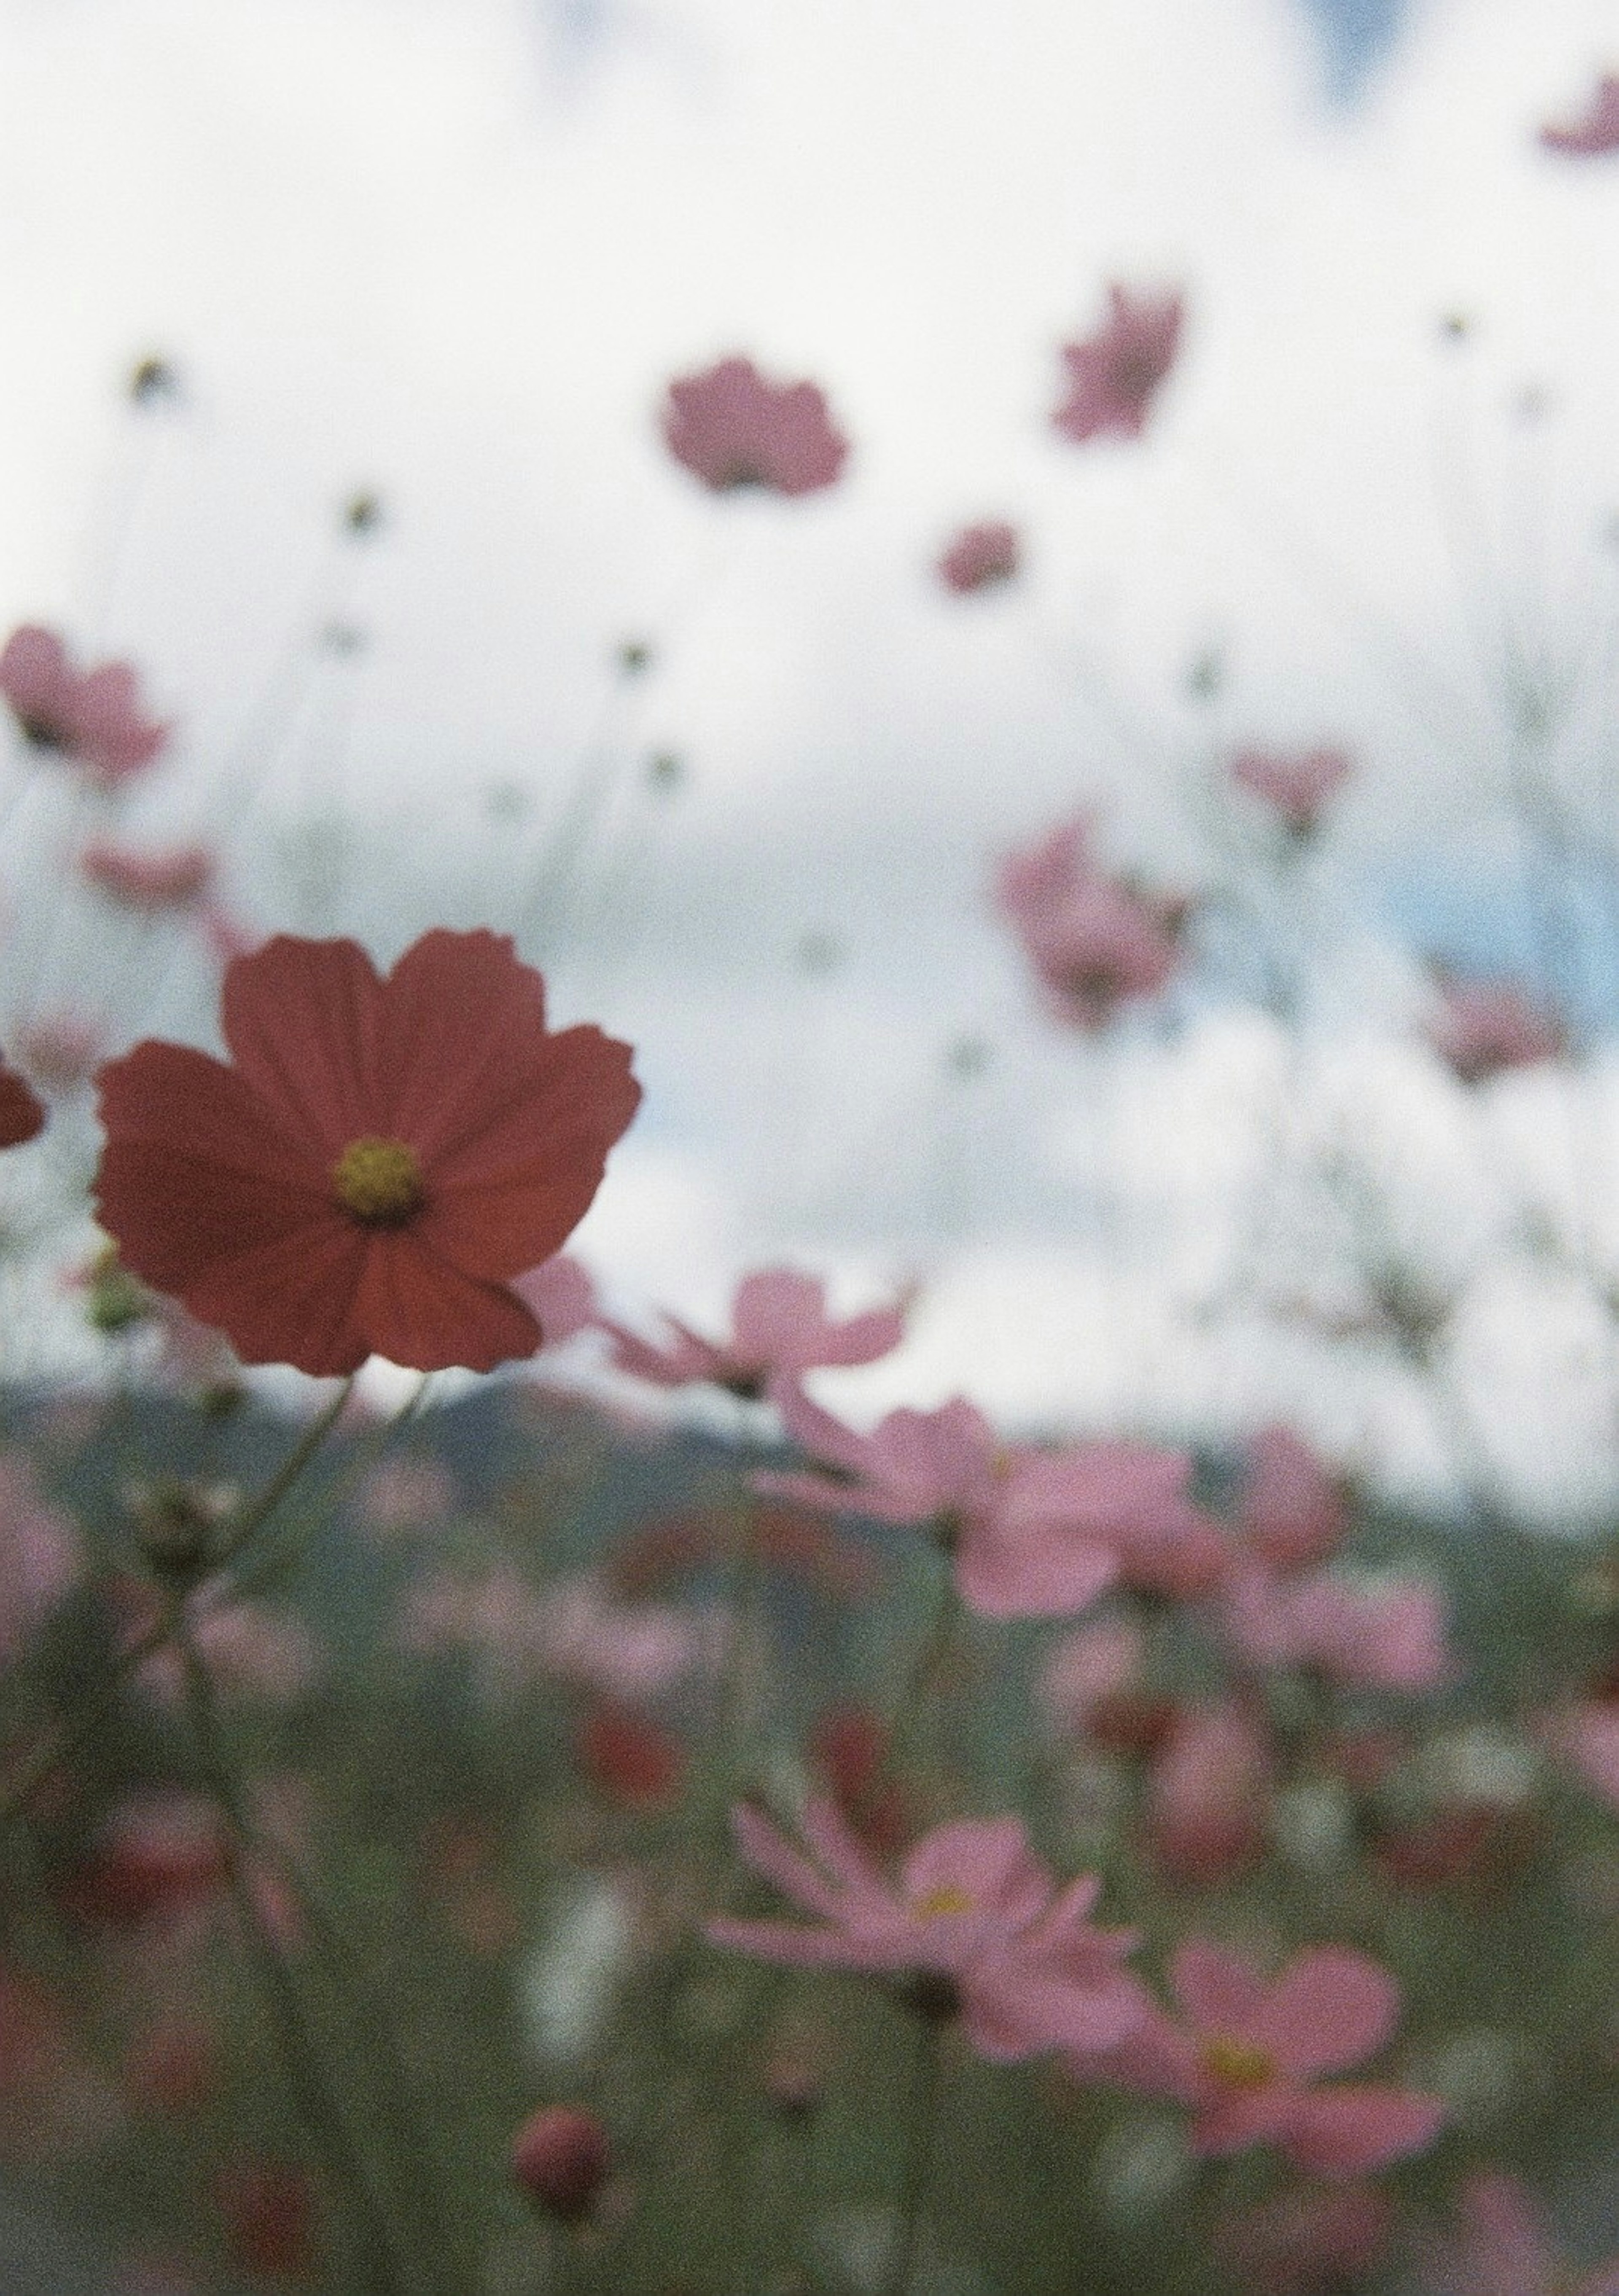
(1249,2054)
(780,1330)
(1483,1028)
(732,429)
(39,1556)
(1388,1637)
(1292,1509)
(1298,787)
(1029,1533)
(560,1296)
(91,717)
(150,883)
(1094,942)
(972,1906)
(1505,2249)
(1133,1498)
(981,558)
(1209,1798)
(1114,374)
(1596,133)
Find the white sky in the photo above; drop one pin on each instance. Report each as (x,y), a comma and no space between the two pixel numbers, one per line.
(392,242)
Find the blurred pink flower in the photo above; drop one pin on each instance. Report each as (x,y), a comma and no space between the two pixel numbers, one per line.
(91,717)
(1589,1737)
(617,1651)
(252,1652)
(1088,1666)
(980,558)
(1209,1797)
(732,429)
(1297,787)
(560,1296)
(39,1556)
(780,1330)
(1388,1636)
(1505,2249)
(1114,374)
(972,1906)
(1316,2236)
(177,878)
(1094,942)
(1249,2056)
(61,1050)
(1292,1509)
(1593,135)
(949,1469)
(1483,1028)
(572,1629)
(408,1493)
(1132,1497)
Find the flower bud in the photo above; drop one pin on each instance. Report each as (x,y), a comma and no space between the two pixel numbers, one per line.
(560,2157)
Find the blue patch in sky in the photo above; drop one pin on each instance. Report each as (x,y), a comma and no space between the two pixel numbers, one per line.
(1356,36)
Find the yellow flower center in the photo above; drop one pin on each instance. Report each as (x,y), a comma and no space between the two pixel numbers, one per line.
(1238,2064)
(378,1181)
(947,1898)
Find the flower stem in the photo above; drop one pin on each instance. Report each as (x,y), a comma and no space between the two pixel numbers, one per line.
(922,2132)
(253,1516)
(381,2267)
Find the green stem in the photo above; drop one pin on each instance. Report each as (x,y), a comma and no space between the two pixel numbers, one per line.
(281,1557)
(381,2265)
(922,2130)
(253,1516)
(63,1743)
(927,1670)
(397,2097)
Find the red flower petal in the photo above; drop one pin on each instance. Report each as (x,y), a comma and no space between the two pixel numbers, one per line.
(418,1310)
(21,1113)
(303,1020)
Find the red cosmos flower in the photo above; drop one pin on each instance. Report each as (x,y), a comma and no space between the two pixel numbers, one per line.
(734,428)
(1115,374)
(21,1113)
(1596,133)
(92,717)
(383,1156)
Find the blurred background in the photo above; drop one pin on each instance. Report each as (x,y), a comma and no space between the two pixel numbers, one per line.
(441,259)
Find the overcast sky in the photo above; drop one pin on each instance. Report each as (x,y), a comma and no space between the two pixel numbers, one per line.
(456,249)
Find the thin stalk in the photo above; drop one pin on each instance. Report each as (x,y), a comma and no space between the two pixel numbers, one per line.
(63,1744)
(382,2265)
(923,2132)
(257,1513)
(398,2098)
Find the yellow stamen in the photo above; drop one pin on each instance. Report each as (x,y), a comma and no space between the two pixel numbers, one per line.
(378,1181)
(947,1898)
(1238,2064)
